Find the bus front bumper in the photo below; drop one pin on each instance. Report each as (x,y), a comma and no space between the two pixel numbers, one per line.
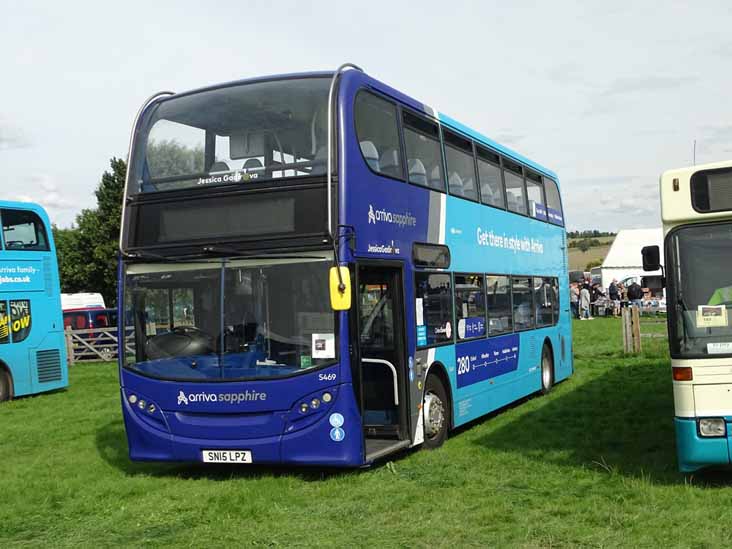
(696,452)
(316,444)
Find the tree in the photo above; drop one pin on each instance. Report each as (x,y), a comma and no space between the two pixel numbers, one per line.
(87,252)
(593,263)
(168,157)
(583,245)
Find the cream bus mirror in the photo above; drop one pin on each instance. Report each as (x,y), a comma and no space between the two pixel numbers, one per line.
(651,258)
(340,289)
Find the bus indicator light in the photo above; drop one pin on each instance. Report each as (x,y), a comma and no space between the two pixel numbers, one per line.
(683,373)
(132,399)
(327,397)
(304,408)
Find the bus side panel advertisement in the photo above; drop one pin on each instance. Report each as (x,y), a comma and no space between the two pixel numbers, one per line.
(4,323)
(21,276)
(485,359)
(20,319)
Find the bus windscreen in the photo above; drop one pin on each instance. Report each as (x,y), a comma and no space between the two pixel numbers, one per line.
(230,319)
(701,290)
(233,135)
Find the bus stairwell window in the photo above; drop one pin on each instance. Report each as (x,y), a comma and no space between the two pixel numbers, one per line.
(378,134)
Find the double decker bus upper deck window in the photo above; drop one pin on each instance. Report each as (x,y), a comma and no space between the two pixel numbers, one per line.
(23,230)
(233,135)
(515,192)
(460,166)
(553,202)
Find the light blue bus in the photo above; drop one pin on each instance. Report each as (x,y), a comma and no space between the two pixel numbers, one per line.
(32,349)
(333,272)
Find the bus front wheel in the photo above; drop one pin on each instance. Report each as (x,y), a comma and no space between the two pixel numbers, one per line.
(435,412)
(4,385)
(547,369)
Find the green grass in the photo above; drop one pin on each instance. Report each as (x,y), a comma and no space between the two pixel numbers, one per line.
(591,464)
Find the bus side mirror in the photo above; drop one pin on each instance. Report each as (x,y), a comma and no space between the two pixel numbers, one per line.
(340,295)
(651,258)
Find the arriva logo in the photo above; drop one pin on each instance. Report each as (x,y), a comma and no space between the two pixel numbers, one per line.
(372,215)
(230,398)
(405,219)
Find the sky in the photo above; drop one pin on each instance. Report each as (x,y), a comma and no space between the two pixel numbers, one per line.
(606,96)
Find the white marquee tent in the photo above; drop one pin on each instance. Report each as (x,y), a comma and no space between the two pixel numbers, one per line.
(624,259)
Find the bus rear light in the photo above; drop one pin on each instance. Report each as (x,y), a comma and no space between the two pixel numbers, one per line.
(712,427)
(132,399)
(682,373)
(327,397)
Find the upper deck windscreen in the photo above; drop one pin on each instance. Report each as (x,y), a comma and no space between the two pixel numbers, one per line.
(233,135)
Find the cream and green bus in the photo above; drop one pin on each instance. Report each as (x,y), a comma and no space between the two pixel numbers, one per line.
(696,208)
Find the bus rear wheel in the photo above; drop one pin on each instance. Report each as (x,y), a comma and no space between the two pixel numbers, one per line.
(4,385)
(435,412)
(547,369)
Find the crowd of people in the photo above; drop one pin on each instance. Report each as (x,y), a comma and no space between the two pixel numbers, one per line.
(583,295)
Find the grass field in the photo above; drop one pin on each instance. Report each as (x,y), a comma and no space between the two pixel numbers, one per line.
(578,259)
(591,464)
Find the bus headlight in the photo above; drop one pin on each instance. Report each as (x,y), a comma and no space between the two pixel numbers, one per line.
(712,427)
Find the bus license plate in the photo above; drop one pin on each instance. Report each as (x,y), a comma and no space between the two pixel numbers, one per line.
(227,456)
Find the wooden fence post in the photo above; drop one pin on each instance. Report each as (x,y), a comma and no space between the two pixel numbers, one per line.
(631,330)
(636,330)
(69,345)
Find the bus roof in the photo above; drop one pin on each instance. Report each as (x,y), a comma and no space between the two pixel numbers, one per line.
(31,206)
(443,118)
(675,189)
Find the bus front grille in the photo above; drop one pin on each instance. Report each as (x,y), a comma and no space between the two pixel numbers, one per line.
(48,364)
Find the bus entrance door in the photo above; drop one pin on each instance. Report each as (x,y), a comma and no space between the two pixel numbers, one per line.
(382,350)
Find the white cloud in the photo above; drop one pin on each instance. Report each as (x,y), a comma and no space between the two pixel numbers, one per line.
(590,90)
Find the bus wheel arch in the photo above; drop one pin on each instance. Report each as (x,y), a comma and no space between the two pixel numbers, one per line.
(548,366)
(436,406)
(6,383)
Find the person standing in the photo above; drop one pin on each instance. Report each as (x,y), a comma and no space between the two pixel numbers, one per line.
(635,294)
(584,302)
(574,299)
(613,293)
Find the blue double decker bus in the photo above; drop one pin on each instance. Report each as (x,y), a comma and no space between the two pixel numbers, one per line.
(32,346)
(320,270)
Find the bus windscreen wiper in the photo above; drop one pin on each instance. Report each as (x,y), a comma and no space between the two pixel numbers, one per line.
(239,254)
(151,255)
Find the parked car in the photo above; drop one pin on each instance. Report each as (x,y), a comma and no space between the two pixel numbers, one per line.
(86,319)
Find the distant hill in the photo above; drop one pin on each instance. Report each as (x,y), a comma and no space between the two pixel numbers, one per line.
(578,259)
